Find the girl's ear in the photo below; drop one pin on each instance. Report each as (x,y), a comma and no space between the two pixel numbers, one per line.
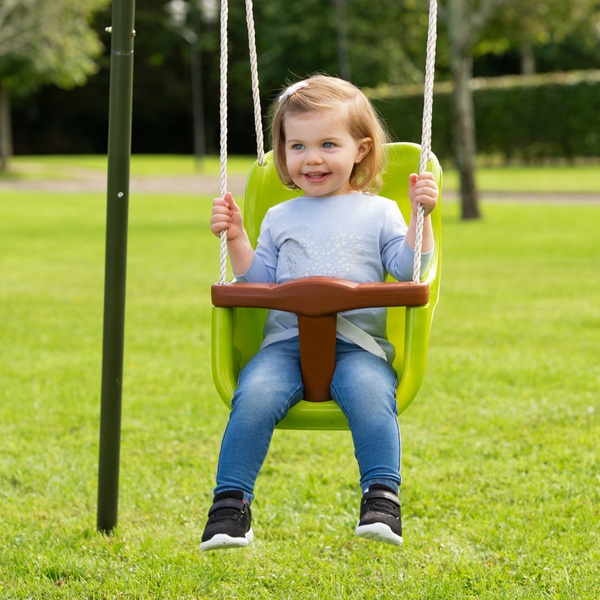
(363,148)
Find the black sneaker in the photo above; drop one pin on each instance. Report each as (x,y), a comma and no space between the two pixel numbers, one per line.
(228,524)
(380,515)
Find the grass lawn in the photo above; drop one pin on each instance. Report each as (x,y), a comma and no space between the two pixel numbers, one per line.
(63,166)
(501,490)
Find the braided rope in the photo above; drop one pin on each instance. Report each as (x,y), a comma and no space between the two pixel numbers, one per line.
(260,144)
(427,118)
(223,125)
(426,130)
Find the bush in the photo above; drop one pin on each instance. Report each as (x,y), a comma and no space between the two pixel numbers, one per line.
(531,118)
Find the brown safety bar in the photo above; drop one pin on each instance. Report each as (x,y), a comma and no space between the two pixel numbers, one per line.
(317,301)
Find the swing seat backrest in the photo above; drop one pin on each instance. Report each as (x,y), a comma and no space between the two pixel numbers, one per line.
(237,332)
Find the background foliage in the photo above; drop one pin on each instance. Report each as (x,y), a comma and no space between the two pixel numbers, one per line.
(45,41)
(386,46)
(517,118)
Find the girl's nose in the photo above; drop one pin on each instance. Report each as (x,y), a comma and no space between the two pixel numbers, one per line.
(313,156)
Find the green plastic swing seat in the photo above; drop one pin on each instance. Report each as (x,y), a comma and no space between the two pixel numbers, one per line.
(237,325)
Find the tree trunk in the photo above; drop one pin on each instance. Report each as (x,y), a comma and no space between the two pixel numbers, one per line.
(463,125)
(528,66)
(463,26)
(6,149)
(342,39)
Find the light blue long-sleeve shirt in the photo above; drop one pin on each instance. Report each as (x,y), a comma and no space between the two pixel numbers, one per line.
(357,236)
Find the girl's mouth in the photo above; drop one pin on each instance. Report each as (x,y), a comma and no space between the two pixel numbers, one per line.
(315,177)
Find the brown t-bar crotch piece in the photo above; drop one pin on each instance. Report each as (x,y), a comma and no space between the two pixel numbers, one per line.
(317,301)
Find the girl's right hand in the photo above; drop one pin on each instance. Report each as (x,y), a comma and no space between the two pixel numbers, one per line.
(226,216)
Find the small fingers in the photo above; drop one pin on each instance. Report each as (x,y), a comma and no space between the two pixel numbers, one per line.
(218,227)
(426,175)
(221,202)
(221,219)
(426,194)
(425,191)
(225,213)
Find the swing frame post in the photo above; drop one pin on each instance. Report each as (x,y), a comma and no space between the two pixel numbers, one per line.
(119,155)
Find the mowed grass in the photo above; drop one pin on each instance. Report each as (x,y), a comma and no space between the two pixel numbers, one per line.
(500,462)
(73,166)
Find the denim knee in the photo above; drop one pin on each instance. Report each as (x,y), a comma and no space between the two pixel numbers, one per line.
(262,403)
(269,384)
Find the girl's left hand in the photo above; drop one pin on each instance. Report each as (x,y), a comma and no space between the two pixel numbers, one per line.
(423,190)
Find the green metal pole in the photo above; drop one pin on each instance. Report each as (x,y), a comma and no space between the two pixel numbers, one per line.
(119,153)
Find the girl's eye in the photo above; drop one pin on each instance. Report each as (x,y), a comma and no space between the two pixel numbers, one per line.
(297,146)
(328,145)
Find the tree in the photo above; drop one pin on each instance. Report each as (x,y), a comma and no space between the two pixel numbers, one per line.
(373,42)
(530,26)
(465,21)
(520,24)
(43,42)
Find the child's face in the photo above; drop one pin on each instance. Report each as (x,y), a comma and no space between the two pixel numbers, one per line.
(320,153)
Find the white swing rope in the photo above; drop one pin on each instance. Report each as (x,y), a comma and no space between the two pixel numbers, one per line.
(223,129)
(260,147)
(426,129)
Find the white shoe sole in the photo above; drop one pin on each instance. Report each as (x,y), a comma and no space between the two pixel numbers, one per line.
(379,532)
(222,541)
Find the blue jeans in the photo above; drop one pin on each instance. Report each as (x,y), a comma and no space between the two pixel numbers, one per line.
(363,385)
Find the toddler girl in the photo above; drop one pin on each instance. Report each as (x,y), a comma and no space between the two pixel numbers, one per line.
(329,143)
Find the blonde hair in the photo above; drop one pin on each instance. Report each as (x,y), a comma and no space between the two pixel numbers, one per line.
(321,93)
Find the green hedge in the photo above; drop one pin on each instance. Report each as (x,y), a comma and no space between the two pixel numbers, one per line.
(525,118)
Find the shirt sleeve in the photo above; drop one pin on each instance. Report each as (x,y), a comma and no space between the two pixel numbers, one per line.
(397,257)
(264,266)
